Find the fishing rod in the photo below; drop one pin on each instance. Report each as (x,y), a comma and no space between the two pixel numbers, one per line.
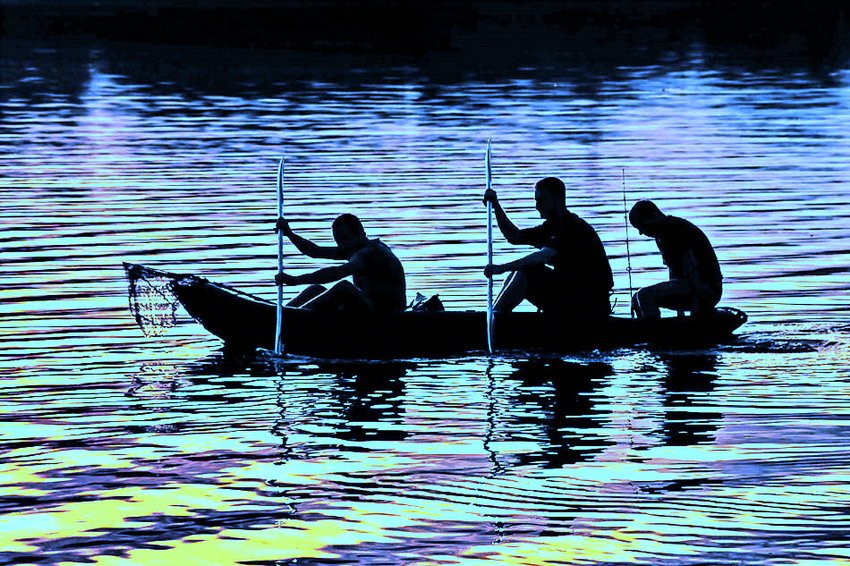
(628,252)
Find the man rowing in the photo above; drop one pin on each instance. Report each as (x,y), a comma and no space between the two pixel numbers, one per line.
(378,277)
(569,274)
(695,283)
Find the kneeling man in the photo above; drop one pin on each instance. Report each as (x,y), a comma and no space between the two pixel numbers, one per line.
(695,283)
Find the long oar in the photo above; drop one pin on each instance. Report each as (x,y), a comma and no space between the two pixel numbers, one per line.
(489,253)
(278,346)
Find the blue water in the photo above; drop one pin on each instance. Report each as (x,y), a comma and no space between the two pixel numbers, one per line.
(121,449)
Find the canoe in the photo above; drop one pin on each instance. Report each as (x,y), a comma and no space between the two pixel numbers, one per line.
(245,321)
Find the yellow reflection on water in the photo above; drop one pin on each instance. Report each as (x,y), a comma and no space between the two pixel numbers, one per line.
(281,541)
(575,549)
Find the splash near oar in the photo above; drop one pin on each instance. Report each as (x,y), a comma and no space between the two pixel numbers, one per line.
(489,175)
(278,347)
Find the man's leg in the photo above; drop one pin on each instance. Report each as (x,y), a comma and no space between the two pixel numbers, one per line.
(709,296)
(342,296)
(512,293)
(306,295)
(673,294)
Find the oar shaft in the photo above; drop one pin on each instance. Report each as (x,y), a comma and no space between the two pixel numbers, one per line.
(628,252)
(489,253)
(278,346)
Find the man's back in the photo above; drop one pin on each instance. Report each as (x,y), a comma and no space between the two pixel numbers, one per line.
(581,259)
(379,274)
(679,236)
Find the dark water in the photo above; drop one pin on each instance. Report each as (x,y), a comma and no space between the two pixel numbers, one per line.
(120,449)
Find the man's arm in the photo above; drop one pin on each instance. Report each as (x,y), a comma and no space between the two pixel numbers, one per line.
(324,275)
(689,269)
(531,260)
(508,229)
(307,247)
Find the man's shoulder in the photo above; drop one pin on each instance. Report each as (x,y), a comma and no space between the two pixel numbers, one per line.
(681,234)
(374,249)
(681,225)
(679,221)
(572,222)
(378,245)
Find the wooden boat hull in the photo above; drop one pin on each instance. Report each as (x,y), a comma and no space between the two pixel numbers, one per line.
(247,322)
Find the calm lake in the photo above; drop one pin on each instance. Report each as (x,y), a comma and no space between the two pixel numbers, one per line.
(124,450)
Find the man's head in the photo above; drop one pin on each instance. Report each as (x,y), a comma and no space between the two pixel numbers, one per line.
(348,231)
(550,197)
(646,217)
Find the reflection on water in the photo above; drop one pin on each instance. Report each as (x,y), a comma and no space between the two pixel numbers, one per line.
(554,400)
(688,379)
(125,450)
(632,457)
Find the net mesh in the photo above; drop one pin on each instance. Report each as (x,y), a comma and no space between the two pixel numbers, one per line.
(152,299)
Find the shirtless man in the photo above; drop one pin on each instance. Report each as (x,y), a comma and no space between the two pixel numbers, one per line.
(570,273)
(377,273)
(695,283)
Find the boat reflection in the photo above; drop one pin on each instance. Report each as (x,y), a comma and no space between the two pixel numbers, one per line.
(544,412)
(688,380)
(560,414)
(365,444)
(370,398)
(362,401)
(552,404)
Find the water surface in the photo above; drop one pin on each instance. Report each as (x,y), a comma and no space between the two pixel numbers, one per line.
(121,449)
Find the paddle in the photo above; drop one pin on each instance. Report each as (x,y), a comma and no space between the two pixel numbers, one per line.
(489,253)
(278,346)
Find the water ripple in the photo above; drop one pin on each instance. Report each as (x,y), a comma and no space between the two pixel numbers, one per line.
(126,450)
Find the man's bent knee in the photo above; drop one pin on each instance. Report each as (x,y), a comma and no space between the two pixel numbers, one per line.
(644,303)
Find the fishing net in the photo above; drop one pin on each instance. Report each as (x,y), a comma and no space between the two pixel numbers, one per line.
(152,299)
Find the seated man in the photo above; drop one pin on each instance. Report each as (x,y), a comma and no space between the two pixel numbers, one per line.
(377,273)
(569,274)
(695,283)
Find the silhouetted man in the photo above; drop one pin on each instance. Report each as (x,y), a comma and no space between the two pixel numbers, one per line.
(695,283)
(378,277)
(569,274)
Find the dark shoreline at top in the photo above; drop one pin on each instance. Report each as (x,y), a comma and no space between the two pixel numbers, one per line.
(412,29)
(227,50)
